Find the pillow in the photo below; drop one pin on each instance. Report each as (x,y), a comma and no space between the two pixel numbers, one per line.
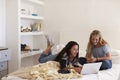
(57,48)
(115,56)
(82,53)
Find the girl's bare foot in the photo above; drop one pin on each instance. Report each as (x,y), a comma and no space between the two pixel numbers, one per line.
(50,40)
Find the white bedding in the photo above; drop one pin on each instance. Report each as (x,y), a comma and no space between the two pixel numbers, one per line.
(111,74)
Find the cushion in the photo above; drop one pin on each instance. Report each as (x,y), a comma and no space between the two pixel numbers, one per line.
(115,56)
(57,48)
(82,53)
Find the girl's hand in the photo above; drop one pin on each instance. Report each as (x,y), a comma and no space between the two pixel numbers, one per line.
(78,69)
(91,60)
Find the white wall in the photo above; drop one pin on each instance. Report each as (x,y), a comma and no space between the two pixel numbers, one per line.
(2,23)
(75,19)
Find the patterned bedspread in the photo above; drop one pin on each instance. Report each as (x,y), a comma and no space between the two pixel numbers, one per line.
(48,71)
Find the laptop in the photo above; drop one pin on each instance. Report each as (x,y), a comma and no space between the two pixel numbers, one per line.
(91,68)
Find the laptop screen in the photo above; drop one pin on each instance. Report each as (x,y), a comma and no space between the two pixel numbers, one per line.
(91,68)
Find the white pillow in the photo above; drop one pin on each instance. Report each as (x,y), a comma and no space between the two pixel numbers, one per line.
(82,53)
(115,56)
(57,48)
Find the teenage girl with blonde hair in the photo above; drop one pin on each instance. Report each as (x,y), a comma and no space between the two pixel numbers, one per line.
(98,50)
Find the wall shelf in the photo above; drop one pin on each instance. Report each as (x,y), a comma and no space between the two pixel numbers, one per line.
(37,2)
(21,13)
(31,33)
(25,54)
(31,17)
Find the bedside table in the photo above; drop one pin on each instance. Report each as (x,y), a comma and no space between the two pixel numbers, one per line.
(4,57)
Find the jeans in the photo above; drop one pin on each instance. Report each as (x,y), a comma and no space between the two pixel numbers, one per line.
(106,64)
(46,57)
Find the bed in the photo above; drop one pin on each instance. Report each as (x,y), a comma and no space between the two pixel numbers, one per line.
(110,74)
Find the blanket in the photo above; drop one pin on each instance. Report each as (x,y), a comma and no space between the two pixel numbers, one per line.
(28,73)
(45,71)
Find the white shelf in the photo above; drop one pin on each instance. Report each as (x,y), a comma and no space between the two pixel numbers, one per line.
(31,33)
(26,19)
(30,53)
(37,2)
(32,17)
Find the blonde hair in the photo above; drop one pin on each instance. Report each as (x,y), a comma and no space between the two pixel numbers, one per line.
(90,45)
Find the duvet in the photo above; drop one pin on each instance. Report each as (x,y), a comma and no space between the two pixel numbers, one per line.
(48,71)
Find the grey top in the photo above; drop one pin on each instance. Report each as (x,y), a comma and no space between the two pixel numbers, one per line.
(101,51)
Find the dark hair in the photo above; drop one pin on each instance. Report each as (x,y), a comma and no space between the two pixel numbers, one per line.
(66,49)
